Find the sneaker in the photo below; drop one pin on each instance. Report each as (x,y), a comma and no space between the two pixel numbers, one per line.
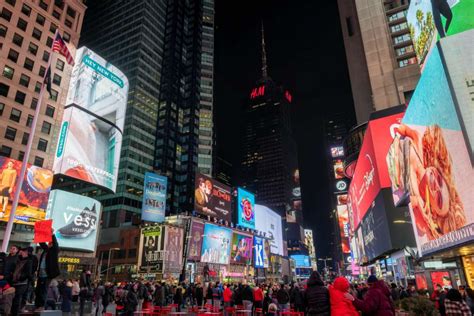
(85,225)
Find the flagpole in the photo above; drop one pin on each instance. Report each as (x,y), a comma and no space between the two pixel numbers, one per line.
(19,183)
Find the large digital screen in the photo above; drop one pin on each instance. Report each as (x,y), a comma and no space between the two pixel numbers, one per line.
(173,249)
(216,244)
(259,252)
(245,209)
(269,222)
(76,219)
(151,249)
(429,20)
(90,139)
(241,251)
(154,198)
(338,166)
(337,151)
(441,173)
(442,278)
(343,220)
(294,210)
(398,169)
(302,261)
(212,198)
(195,241)
(34,191)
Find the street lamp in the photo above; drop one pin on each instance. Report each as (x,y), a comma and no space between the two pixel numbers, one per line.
(108,264)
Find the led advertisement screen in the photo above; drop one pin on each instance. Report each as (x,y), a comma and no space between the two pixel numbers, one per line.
(429,20)
(173,249)
(154,198)
(399,171)
(420,280)
(241,251)
(294,210)
(76,220)
(195,241)
(216,244)
(301,261)
(343,220)
(259,252)
(441,173)
(34,191)
(212,198)
(337,151)
(151,249)
(338,166)
(245,209)
(90,138)
(371,172)
(442,278)
(269,222)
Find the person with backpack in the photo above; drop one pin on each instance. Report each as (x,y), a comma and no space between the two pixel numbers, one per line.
(22,274)
(377,301)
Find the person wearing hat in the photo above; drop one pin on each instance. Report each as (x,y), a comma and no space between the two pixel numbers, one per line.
(377,301)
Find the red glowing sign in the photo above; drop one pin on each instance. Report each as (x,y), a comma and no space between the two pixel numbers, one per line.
(257,92)
(288,96)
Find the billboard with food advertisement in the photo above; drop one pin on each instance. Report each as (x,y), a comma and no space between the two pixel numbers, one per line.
(441,174)
(216,244)
(212,198)
(338,166)
(343,220)
(241,251)
(34,191)
(90,138)
(245,209)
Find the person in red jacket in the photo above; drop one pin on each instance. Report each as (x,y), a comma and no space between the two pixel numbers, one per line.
(340,304)
(258,297)
(227,295)
(377,301)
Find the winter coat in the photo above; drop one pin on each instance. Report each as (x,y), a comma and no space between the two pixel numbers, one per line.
(23,272)
(247,293)
(340,305)
(227,295)
(51,256)
(296,297)
(316,296)
(377,301)
(199,293)
(258,295)
(131,302)
(282,296)
(9,267)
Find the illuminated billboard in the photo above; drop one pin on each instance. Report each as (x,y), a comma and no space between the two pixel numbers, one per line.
(212,198)
(295,208)
(90,138)
(301,261)
(338,166)
(343,220)
(216,244)
(245,209)
(441,172)
(34,191)
(428,20)
(154,198)
(151,256)
(241,251)
(398,170)
(337,151)
(173,249)
(269,222)
(195,240)
(76,219)
(259,252)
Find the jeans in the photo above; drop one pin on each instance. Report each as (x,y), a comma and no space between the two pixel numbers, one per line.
(19,291)
(282,307)
(41,291)
(247,305)
(50,304)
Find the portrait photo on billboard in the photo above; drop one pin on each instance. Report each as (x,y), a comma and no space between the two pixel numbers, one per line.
(151,249)
(34,191)
(441,173)
(154,198)
(245,209)
(241,251)
(90,138)
(173,248)
(195,240)
(216,245)
(442,278)
(270,223)
(76,219)
(212,198)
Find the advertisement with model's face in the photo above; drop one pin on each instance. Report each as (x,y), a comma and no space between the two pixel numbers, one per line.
(429,20)
(241,251)
(212,198)
(173,249)
(151,246)
(216,244)
(269,222)
(154,198)
(195,241)
(90,138)
(75,219)
(441,173)
(34,191)
(245,209)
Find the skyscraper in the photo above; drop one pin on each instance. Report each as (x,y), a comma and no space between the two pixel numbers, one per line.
(165,48)
(382,62)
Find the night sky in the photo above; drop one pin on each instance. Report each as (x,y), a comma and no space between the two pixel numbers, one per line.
(305,53)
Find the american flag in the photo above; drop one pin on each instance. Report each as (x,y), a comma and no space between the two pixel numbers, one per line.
(59,46)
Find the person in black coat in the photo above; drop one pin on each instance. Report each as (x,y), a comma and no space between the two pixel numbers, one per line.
(199,294)
(131,300)
(22,275)
(48,269)
(297,299)
(316,296)
(9,264)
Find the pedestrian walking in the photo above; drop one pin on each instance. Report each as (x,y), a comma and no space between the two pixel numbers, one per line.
(131,300)
(283,298)
(247,297)
(52,297)
(86,290)
(66,297)
(454,304)
(22,274)
(296,298)
(227,296)
(341,300)
(258,297)
(377,301)
(48,269)
(199,294)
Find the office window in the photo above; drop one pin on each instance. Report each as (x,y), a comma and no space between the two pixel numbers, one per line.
(8,72)
(40,19)
(24,139)
(33,48)
(46,128)
(3,30)
(42,144)
(34,103)
(57,79)
(24,80)
(17,39)
(20,97)
(66,37)
(56,14)
(60,64)
(22,24)
(29,64)
(68,23)
(4,89)
(29,121)
(53,27)
(11,2)
(6,14)
(59,3)
(2,107)
(37,34)
(26,10)
(38,87)
(54,95)
(43,5)
(49,42)
(38,161)
(71,12)
(46,56)
(10,133)
(5,151)
(49,110)
(21,155)
(42,71)
(15,115)
(13,55)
